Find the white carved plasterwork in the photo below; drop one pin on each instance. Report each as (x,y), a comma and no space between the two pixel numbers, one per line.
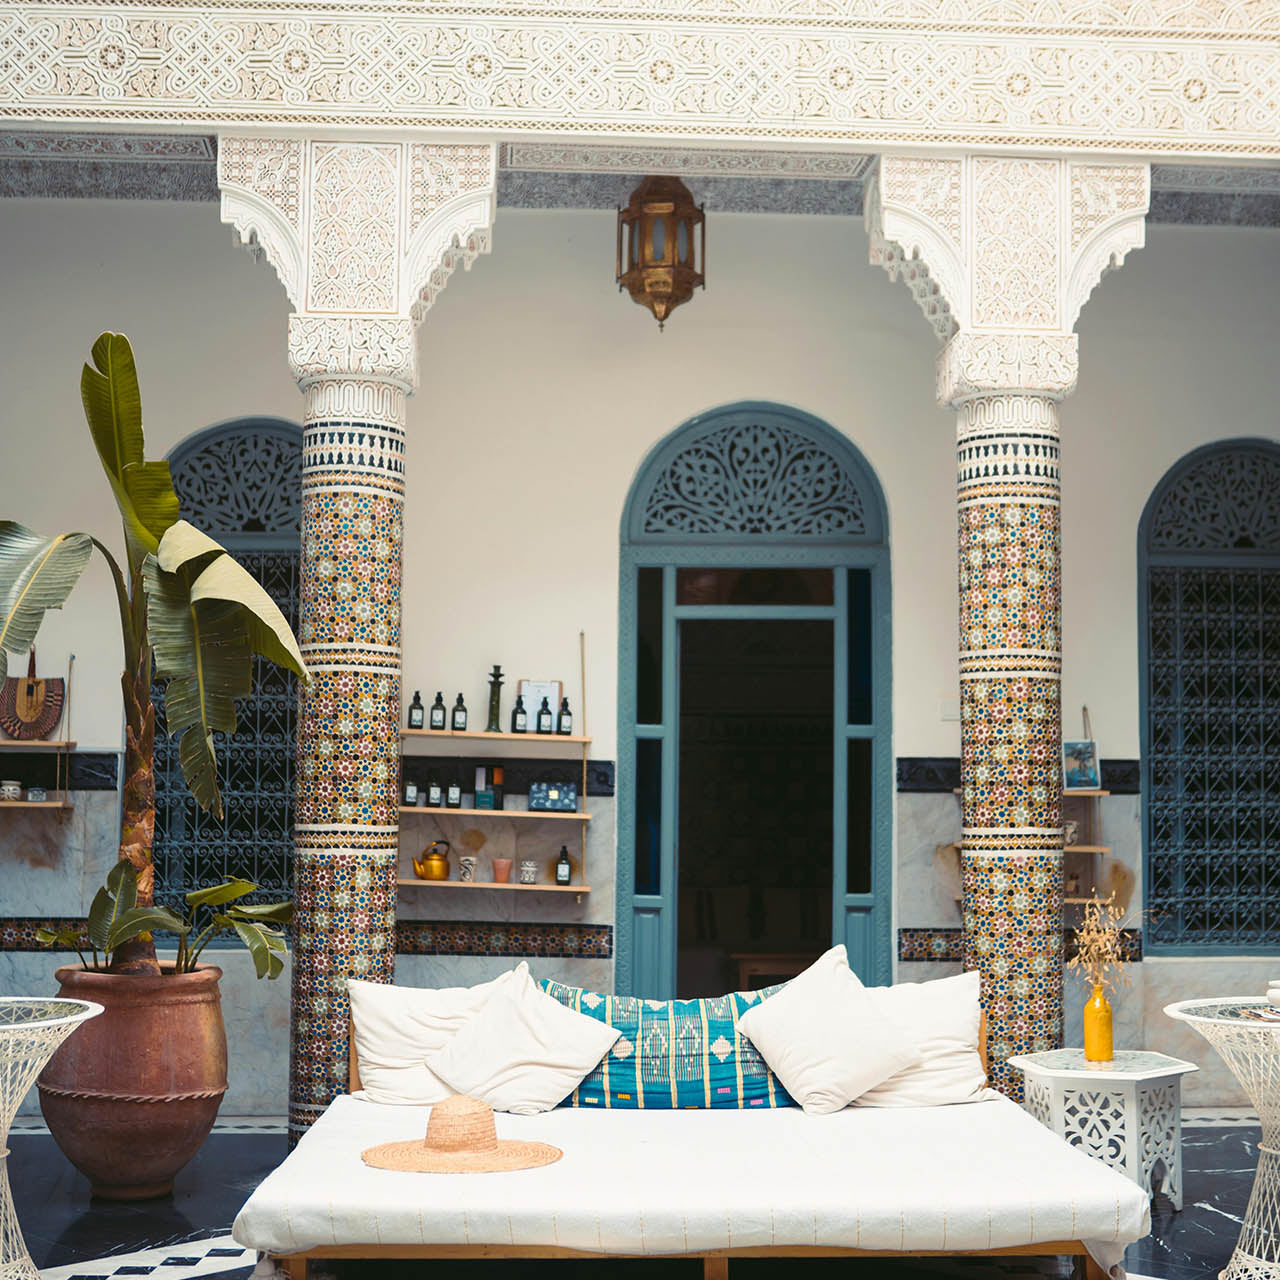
(1180,79)
(553,157)
(359,227)
(1001,252)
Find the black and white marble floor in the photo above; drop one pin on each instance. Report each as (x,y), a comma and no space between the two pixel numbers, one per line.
(74,1238)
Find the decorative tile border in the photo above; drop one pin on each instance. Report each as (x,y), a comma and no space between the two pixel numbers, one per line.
(942,774)
(413,938)
(946,944)
(518,772)
(504,938)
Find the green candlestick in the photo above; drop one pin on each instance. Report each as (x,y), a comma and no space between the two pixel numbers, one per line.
(495,700)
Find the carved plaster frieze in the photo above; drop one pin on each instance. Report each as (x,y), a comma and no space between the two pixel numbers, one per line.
(364,235)
(818,72)
(1027,364)
(552,157)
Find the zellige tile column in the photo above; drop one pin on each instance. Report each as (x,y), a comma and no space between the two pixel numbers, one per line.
(364,235)
(1001,253)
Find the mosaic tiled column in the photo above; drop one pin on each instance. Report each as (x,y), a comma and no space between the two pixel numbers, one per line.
(364,235)
(348,750)
(1001,253)
(1010,704)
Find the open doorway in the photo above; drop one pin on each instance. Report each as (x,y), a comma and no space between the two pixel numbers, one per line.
(756,724)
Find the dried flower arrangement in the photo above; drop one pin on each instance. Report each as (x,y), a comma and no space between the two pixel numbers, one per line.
(1099,957)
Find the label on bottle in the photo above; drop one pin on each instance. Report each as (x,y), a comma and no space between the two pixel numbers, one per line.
(459,719)
(566,723)
(437,718)
(455,796)
(562,873)
(415,717)
(411,793)
(522,722)
(434,794)
(544,721)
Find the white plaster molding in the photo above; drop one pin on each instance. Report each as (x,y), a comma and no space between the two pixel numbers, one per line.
(364,235)
(1039,365)
(131,148)
(1161,78)
(1108,219)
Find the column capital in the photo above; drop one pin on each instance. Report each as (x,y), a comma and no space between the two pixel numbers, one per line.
(974,365)
(364,236)
(1001,253)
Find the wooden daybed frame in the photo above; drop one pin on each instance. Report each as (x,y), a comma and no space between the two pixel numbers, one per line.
(715,1262)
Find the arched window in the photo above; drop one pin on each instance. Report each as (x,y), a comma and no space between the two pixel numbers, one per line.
(241,484)
(754,657)
(1209,574)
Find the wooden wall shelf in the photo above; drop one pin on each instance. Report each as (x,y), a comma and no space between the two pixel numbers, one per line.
(493,884)
(36,744)
(36,804)
(542,739)
(545,814)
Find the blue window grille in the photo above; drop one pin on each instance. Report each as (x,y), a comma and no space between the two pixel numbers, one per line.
(241,483)
(1209,573)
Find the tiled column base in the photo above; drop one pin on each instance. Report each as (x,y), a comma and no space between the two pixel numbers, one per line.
(345,927)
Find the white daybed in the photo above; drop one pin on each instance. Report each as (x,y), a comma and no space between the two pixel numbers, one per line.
(981,1178)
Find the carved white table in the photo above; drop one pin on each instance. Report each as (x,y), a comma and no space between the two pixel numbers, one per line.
(31,1028)
(1246,1033)
(1126,1112)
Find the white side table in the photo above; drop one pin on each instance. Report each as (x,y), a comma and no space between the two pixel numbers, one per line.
(1126,1112)
(1246,1033)
(31,1028)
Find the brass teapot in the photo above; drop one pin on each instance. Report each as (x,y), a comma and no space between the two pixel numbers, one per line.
(434,863)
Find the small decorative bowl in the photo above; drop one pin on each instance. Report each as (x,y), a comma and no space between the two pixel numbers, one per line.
(10,790)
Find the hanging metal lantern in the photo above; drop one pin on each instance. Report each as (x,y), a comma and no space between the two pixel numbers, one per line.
(658,263)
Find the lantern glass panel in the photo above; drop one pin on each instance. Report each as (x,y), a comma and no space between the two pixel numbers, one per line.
(659,239)
(634,240)
(682,242)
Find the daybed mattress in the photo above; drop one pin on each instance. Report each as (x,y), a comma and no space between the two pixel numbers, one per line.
(973,1177)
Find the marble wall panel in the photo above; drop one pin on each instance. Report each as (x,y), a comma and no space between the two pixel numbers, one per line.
(926,891)
(926,970)
(1167,979)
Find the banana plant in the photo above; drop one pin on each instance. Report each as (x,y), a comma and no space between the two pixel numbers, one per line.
(116,919)
(189,615)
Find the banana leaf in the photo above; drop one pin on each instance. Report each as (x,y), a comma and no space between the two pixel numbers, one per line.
(207,617)
(36,573)
(113,409)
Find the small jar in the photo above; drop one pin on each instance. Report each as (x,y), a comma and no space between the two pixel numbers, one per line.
(10,789)
(528,871)
(37,795)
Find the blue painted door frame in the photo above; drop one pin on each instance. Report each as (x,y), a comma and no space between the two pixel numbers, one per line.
(646,922)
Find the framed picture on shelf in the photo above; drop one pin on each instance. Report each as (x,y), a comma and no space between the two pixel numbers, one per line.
(533,692)
(1080,770)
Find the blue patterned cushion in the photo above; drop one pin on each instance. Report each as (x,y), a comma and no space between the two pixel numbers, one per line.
(674,1053)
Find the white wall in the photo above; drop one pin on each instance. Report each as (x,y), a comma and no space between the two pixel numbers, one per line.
(542,389)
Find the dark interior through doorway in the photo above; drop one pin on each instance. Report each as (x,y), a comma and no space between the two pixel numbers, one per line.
(755,800)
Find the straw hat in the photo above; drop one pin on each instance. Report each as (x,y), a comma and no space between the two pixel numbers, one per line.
(461,1138)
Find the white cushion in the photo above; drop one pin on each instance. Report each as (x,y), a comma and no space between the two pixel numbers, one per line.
(396,1027)
(824,1039)
(942,1019)
(523,1052)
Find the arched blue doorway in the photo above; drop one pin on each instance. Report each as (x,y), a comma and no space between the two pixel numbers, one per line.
(239,482)
(761,515)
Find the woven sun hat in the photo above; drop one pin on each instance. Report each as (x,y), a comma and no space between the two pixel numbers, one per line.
(461,1138)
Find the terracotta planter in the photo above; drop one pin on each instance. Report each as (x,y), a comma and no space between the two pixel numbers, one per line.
(132,1095)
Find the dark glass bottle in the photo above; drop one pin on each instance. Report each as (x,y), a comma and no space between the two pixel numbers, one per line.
(435,792)
(564,868)
(459,715)
(453,795)
(416,711)
(499,789)
(411,792)
(438,711)
(519,716)
(564,721)
(544,717)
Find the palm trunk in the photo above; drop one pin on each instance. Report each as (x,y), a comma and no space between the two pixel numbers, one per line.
(138,808)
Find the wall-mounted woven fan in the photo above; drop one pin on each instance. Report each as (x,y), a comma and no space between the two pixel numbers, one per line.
(29,708)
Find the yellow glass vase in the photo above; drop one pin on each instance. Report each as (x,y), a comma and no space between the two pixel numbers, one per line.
(1097,1028)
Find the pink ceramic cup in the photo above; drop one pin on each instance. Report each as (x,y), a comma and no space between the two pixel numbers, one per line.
(502,870)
